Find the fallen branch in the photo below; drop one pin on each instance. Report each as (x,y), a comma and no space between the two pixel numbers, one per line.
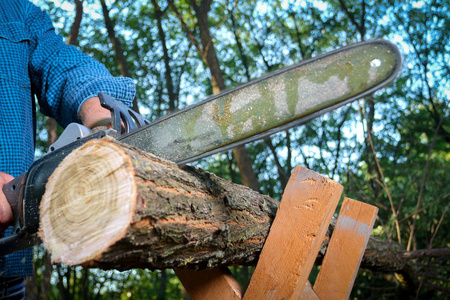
(439,252)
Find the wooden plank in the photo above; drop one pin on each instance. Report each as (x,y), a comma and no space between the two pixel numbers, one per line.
(295,237)
(309,293)
(346,249)
(217,283)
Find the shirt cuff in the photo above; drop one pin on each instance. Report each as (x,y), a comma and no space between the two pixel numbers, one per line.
(120,88)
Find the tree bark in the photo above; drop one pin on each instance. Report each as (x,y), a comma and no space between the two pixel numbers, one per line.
(112,206)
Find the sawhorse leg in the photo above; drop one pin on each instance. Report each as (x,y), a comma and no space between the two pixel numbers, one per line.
(292,245)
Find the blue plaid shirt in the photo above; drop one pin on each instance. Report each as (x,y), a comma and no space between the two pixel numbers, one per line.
(34,61)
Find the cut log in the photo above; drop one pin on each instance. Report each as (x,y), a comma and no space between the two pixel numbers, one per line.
(115,207)
(109,205)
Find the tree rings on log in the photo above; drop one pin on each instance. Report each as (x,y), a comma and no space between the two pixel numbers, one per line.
(112,206)
(89,203)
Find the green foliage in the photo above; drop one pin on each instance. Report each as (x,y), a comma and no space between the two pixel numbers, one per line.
(390,150)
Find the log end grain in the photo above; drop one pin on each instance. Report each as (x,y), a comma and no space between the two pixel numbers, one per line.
(89,202)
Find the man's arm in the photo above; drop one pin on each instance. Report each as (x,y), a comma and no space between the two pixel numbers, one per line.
(92,114)
(62,77)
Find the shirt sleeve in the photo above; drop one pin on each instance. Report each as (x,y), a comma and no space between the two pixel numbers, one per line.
(62,77)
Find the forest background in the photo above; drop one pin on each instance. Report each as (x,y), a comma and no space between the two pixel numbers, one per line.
(390,149)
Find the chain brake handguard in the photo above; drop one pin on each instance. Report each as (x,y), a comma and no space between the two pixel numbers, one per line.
(123,119)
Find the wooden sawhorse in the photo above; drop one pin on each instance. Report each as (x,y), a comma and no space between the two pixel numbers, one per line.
(294,240)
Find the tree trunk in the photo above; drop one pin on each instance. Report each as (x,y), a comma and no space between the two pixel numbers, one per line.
(248,176)
(173,96)
(134,210)
(75,29)
(209,56)
(123,66)
(115,43)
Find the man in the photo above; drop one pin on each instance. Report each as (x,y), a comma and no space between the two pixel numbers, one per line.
(35,62)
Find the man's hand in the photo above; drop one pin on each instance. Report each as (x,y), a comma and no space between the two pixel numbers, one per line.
(92,114)
(6,216)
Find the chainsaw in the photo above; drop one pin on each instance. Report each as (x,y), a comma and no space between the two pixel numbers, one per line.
(275,102)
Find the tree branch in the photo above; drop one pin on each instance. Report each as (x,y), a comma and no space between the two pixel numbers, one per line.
(422,185)
(339,140)
(186,30)
(438,252)
(383,179)
(352,18)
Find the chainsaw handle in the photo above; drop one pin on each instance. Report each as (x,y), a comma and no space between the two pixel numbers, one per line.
(13,192)
(19,240)
(121,114)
